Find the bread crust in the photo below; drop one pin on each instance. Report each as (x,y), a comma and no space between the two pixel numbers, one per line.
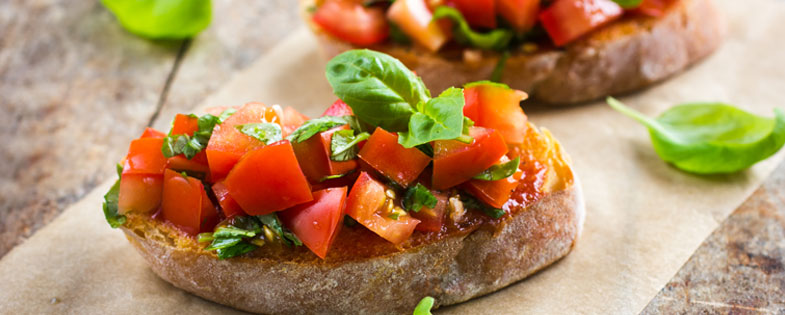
(621,57)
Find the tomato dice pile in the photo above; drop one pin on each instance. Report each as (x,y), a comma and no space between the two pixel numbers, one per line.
(563,20)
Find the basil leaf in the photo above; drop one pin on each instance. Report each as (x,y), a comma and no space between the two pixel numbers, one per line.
(426,148)
(424,307)
(171,19)
(628,4)
(494,40)
(110,207)
(499,171)
(226,113)
(236,250)
(470,202)
(189,146)
(264,132)
(440,118)
(329,177)
(380,89)
(223,242)
(343,145)
(317,125)
(711,138)
(231,231)
(273,222)
(205,237)
(418,196)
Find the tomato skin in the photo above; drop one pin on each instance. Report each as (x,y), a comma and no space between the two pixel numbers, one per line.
(268,179)
(521,14)
(566,20)
(316,223)
(455,162)
(152,133)
(351,21)
(227,144)
(495,193)
(339,108)
(497,107)
(432,219)
(364,203)
(313,155)
(291,120)
(416,20)
(479,13)
(185,203)
(654,8)
(384,154)
(140,193)
(229,207)
(145,157)
(184,125)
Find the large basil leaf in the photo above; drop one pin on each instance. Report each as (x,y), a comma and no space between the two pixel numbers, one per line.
(162,18)
(711,138)
(440,118)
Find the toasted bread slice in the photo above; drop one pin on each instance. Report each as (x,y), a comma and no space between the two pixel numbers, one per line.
(623,56)
(363,273)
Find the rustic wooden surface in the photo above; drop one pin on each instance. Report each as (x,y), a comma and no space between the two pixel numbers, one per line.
(75,86)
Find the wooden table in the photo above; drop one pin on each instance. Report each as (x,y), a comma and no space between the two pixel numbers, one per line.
(74,87)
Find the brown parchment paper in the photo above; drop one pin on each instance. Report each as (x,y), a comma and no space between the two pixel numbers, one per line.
(644,217)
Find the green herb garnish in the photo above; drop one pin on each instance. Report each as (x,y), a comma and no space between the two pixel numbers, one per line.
(628,4)
(273,222)
(111,199)
(189,146)
(424,307)
(499,171)
(438,118)
(498,70)
(162,19)
(230,241)
(711,138)
(264,132)
(313,126)
(497,39)
(418,196)
(343,144)
(472,203)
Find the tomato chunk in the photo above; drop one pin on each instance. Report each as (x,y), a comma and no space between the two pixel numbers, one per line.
(353,22)
(364,204)
(414,19)
(145,157)
(521,14)
(391,159)
(339,108)
(185,125)
(455,162)
(227,144)
(498,107)
(316,223)
(479,13)
(152,133)
(139,193)
(566,20)
(181,163)
(313,156)
(268,179)
(185,203)
(291,120)
(432,219)
(229,207)
(654,8)
(497,192)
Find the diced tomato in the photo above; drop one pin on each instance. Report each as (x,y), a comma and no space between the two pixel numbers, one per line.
(566,20)
(180,163)
(227,144)
(498,107)
(479,13)
(655,8)
(391,159)
(455,162)
(497,192)
(314,157)
(152,133)
(145,157)
(185,125)
(521,14)
(316,223)
(185,203)
(339,108)
(365,206)
(140,193)
(268,179)
(229,207)
(291,120)
(208,218)
(432,219)
(353,22)
(414,19)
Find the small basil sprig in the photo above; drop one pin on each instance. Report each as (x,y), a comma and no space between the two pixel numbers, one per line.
(172,19)
(111,199)
(628,4)
(497,39)
(236,239)
(470,202)
(499,171)
(189,146)
(711,138)
(313,126)
(264,132)
(382,92)
(418,196)
(424,307)
(343,144)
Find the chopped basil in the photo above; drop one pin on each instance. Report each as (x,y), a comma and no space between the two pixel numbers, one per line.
(470,202)
(223,242)
(628,4)
(499,171)
(424,307)
(418,196)
(264,132)
(426,148)
(273,222)
(329,177)
(236,250)
(230,241)
(496,39)
(343,144)
(189,146)
(111,199)
(394,216)
(317,125)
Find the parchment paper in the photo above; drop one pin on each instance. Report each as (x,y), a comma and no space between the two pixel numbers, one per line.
(644,219)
